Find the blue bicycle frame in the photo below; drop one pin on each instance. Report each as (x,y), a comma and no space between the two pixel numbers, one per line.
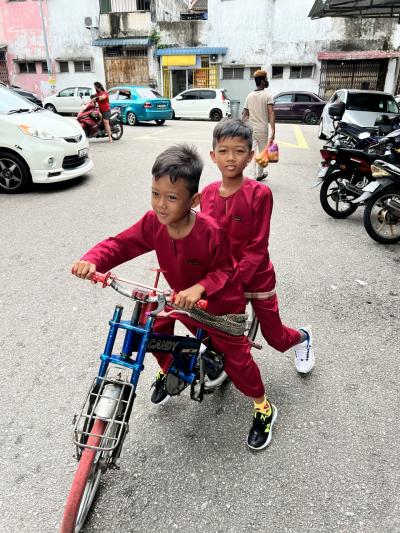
(141,339)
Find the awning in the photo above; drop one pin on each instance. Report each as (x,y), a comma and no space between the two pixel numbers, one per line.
(357,54)
(204,51)
(128,41)
(355,8)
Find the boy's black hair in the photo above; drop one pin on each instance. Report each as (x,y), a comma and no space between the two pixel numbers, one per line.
(259,76)
(180,162)
(233,127)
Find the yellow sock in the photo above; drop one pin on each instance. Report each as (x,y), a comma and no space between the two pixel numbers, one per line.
(262,407)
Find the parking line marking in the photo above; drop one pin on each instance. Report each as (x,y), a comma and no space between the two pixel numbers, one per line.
(301,141)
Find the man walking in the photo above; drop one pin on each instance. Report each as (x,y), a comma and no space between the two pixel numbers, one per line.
(259,111)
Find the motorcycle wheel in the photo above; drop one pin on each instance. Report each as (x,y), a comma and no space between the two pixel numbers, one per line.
(116,131)
(382,225)
(334,202)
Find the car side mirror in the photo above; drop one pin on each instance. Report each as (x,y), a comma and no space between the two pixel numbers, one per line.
(179,98)
(336,110)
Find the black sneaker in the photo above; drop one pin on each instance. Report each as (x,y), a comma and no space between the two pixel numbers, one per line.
(159,395)
(261,432)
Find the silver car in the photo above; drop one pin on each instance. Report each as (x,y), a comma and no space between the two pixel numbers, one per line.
(361,108)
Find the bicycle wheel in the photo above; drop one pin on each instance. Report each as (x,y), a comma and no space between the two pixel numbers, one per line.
(85,483)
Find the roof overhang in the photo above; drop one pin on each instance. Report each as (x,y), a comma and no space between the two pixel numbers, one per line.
(191,51)
(355,8)
(357,54)
(132,42)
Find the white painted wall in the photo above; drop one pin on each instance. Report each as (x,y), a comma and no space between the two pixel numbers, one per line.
(279,32)
(69,39)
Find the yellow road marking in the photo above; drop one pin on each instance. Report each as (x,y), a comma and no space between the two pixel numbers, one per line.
(301,142)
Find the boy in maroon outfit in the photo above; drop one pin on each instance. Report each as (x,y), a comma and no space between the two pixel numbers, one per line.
(243,207)
(193,253)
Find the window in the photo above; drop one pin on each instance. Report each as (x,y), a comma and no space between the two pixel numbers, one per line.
(44,66)
(253,70)
(113,95)
(283,99)
(84,91)
(143,5)
(82,66)
(28,67)
(124,94)
(206,95)
(64,66)
(277,72)
(301,72)
(371,102)
(302,98)
(67,92)
(233,73)
(190,95)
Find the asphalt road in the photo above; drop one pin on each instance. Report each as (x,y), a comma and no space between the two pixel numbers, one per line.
(333,463)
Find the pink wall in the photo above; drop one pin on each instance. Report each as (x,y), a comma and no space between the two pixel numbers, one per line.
(21,30)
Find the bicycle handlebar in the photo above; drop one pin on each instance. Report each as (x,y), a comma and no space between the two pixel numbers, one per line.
(140,292)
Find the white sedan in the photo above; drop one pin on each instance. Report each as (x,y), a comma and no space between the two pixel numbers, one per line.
(37,146)
(69,100)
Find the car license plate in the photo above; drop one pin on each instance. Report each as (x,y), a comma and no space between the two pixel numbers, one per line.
(161,105)
(83,152)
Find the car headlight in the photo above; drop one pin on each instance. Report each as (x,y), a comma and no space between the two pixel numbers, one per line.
(34,132)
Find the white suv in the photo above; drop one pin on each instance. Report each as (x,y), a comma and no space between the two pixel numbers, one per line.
(37,146)
(211,104)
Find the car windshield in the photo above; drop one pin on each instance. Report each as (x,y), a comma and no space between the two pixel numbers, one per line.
(149,94)
(12,102)
(379,103)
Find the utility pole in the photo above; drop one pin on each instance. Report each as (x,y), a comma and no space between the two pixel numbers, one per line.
(46,45)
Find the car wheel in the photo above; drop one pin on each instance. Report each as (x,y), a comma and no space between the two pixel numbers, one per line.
(311,118)
(321,134)
(14,174)
(215,115)
(51,108)
(131,119)
(159,122)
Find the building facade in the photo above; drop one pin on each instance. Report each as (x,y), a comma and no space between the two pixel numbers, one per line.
(70,27)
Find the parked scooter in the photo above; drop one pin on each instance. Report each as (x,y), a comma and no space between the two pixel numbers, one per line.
(344,171)
(382,197)
(90,119)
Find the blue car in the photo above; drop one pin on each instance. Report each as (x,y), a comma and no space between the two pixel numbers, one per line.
(140,104)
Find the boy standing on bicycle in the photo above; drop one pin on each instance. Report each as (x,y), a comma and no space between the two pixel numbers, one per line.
(193,253)
(243,207)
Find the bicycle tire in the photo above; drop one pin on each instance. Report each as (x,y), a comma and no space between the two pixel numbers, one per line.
(86,479)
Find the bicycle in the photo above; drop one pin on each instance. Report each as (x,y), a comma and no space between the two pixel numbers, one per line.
(103,423)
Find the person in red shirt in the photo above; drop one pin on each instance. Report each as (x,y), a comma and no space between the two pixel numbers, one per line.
(243,207)
(104,107)
(193,252)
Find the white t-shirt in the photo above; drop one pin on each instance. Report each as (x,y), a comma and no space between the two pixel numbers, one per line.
(257,104)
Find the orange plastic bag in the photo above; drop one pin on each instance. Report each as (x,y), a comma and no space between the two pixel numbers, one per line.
(262,158)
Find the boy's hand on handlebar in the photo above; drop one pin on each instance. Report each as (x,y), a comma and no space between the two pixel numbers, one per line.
(188,298)
(83,269)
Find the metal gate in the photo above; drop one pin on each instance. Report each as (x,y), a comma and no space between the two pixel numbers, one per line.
(3,68)
(369,75)
(126,67)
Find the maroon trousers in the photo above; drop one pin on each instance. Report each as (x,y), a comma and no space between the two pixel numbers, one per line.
(276,334)
(238,361)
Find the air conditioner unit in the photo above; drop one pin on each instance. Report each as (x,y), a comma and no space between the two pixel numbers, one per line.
(213,58)
(91,22)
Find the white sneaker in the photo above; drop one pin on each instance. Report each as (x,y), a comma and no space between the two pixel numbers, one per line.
(304,358)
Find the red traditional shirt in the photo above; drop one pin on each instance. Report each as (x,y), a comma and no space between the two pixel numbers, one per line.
(104,105)
(246,216)
(201,257)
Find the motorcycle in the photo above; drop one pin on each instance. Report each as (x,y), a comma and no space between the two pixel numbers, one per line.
(345,171)
(382,197)
(90,119)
